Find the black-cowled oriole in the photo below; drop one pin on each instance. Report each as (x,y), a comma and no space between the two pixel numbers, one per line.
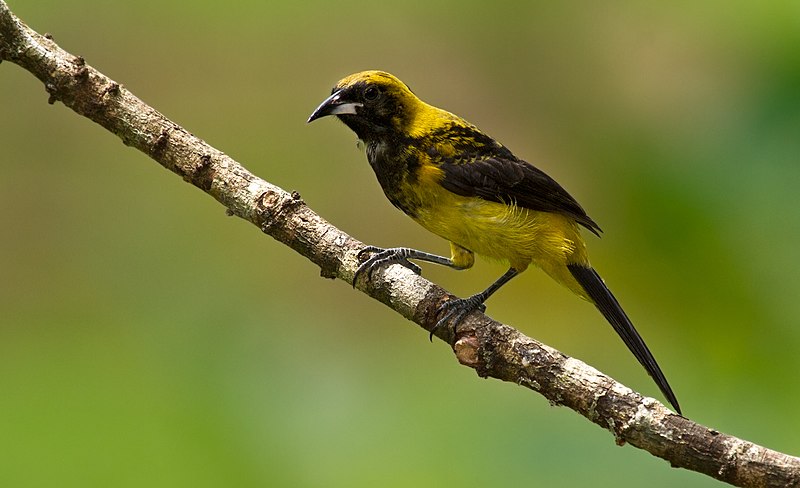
(464,186)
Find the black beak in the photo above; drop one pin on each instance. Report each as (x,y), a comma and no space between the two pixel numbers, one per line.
(335,105)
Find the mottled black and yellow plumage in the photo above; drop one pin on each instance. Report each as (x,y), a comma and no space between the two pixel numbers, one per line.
(464,186)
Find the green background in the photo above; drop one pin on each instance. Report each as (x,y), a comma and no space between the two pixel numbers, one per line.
(146,339)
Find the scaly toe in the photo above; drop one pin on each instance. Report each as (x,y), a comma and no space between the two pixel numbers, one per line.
(412,266)
(369,263)
(455,310)
(368,249)
(382,257)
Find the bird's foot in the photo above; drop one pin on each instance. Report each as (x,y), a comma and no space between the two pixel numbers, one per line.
(382,257)
(455,309)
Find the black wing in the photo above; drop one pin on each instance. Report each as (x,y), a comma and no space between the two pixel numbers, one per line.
(500,177)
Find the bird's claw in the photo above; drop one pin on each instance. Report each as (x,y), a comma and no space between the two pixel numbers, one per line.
(382,257)
(455,310)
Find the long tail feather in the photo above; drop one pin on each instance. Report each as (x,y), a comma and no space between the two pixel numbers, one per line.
(612,311)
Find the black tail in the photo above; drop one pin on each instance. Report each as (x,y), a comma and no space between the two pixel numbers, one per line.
(612,311)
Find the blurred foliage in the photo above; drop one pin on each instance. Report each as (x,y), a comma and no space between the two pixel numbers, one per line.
(148,340)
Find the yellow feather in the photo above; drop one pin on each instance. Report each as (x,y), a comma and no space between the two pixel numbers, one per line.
(503,232)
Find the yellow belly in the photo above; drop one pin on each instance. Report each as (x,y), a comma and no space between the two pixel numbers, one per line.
(517,236)
(508,233)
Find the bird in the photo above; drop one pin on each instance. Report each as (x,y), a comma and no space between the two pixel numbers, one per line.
(464,186)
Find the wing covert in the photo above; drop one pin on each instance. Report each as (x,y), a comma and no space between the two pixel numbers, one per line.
(505,179)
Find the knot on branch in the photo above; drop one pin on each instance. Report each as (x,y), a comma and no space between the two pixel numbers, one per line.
(112,89)
(160,145)
(272,207)
(52,89)
(203,175)
(81,72)
(466,350)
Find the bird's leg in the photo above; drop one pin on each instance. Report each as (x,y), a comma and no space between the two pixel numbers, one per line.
(461,258)
(456,309)
(396,255)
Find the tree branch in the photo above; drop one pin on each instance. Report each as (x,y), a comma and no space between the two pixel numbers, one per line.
(492,349)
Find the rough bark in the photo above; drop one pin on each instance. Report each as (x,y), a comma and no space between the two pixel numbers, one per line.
(492,349)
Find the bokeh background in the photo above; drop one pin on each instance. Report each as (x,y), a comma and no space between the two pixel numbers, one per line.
(146,339)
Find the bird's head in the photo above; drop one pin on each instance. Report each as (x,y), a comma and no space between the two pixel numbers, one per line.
(372,104)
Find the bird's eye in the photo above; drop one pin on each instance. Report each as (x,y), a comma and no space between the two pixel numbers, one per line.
(371,93)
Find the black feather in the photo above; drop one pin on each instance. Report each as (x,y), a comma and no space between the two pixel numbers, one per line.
(605,302)
(487,169)
(513,181)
